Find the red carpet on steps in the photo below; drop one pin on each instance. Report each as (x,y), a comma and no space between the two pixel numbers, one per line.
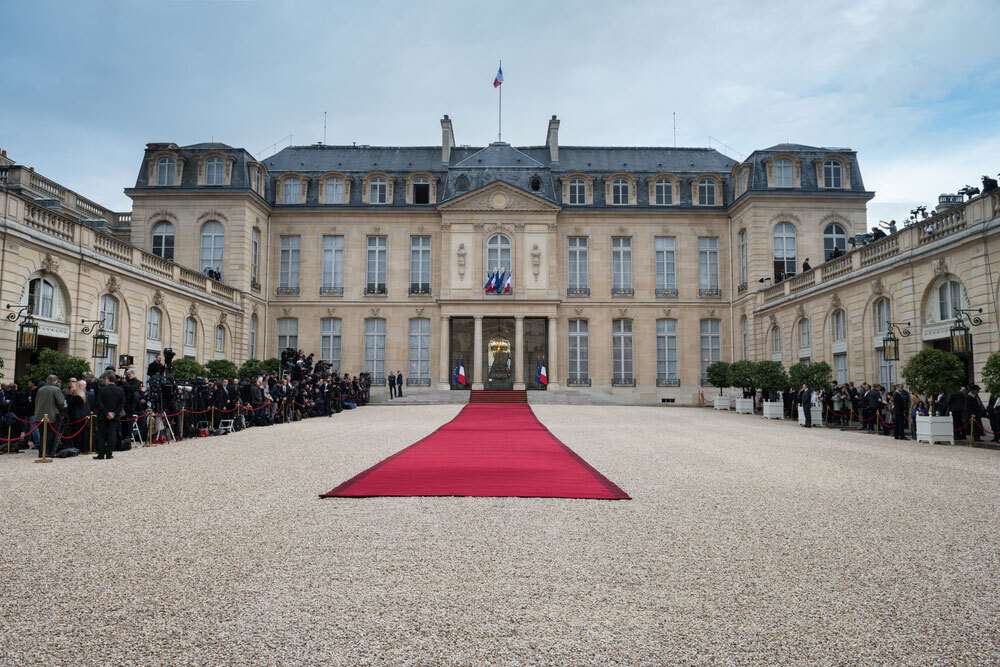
(487,450)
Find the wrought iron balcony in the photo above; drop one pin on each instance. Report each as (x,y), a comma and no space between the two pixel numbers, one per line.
(375,289)
(622,291)
(666,291)
(578,382)
(288,291)
(578,291)
(420,289)
(710,291)
(418,382)
(332,291)
(623,382)
(668,382)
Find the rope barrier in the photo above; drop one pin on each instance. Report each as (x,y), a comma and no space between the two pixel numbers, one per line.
(68,437)
(23,435)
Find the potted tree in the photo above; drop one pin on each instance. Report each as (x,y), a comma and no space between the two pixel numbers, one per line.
(930,373)
(770,377)
(741,375)
(717,375)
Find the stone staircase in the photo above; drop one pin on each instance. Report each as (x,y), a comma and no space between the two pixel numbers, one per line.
(493,396)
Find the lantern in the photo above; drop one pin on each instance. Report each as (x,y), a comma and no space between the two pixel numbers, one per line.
(27,335)
(890,346)
(961,338)
(100,344)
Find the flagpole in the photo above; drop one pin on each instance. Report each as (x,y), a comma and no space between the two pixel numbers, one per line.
(500,108)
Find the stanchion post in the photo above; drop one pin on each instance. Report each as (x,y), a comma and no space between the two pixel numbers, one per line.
(45,432)
(149,428)
(90,426)
(8,440)
(238,406)
(213,418)
(182,425)
(972,429)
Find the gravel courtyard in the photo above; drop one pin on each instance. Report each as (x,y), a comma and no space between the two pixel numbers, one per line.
(746,541)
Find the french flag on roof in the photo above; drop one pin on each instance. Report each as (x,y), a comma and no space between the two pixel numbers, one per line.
(499,77)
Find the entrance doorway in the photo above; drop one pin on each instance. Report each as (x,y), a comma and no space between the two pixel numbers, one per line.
(498,353)
(945,344)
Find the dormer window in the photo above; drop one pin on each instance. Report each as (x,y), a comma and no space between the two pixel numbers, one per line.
(832,174)
(577,191)
(783,176)
(377,191)
(335,190)
(256,180)
(706,192)
(664,192)
(213,171)
(290,191)
(421,191)
(620,192)
(165,168)
(536,184)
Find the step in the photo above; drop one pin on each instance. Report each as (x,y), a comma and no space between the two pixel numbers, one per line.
(498,396)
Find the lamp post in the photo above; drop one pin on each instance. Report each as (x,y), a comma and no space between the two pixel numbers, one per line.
(890,343)
(961,333)
(27,332)
(100,337)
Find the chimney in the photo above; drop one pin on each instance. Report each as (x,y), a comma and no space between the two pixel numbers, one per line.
(447,139)
(552,139)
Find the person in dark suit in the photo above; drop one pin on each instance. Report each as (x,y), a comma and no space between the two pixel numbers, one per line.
(392,386)
(956,405)
(898,413)
(974,409)
(805,400)
(109,404)
(399,384)
(993,412)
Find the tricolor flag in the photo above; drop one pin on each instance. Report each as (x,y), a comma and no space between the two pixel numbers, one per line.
(498,281)
(489,282)
(507,284)
(460,375)
(499,78)
(541,375)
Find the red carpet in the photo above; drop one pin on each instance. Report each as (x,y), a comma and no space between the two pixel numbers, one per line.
(487,450)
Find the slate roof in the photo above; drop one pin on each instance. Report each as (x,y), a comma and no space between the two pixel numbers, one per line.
(757,181)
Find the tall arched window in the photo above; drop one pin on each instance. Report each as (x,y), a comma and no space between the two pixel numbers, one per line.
(743,257)
(41,294)
(839,326)
(577,191)
(290,192)
(666,352)
(220,340)
(498,249)
(375,348)
(776,344)
(329,341)
(745,330)
(252,352)
(834,236)
(784,250)
(883,315)
(949,298)
(621,352)
(153,323)
(109,312)
(420,350)
(165,171)
(212,239)
(163,240)
(190,332)
(213,171)
(288,334)
(783,173)
(804,333)
(832,174)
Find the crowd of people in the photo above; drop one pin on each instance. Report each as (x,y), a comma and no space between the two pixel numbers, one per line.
(890,409)
(114,412)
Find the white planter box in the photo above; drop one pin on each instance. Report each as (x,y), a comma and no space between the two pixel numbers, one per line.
(935,429)
(817,416)
(744,406)
(774,410)
(721,402)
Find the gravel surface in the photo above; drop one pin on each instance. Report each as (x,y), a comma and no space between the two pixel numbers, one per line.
(746,541)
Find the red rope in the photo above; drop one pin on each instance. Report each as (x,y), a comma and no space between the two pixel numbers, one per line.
(197,412)
(68,437)
(23,435)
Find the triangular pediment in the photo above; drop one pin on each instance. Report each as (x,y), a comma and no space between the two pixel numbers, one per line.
(499,196)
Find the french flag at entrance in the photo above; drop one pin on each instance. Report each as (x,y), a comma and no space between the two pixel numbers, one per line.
(542,375)
(460,375)
(507,284)
(489,282)
(498,281)
(499,78)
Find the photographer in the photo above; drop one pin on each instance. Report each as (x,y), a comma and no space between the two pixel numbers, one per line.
(155,367)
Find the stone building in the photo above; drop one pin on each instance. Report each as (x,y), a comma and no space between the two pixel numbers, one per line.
(631,269)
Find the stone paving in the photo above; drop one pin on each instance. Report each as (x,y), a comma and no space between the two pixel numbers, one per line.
(746,541)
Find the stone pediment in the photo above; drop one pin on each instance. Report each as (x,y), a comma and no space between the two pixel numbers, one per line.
(499,196)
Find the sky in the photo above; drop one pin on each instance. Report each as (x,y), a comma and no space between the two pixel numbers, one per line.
(913,86)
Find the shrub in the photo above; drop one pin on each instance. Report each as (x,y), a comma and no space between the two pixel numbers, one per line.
(252,369)
(273,365)
(933,372)
(799,374)
(53,362)
(221,368)
(741,374)
(717,374)
(820,375)
(185,369)
(770,376)
(991,374)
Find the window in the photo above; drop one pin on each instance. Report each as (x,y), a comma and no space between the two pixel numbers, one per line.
(782,173)
(288,265)
(498,249)
(804,334)
(377,246)
(329,342)
(706,192)
(165,171)
(776,344)
(949,299)
(420,265)
(255,256)
(708,267)
(461,183)
(621,266)
(832,171)
(666,352)
(290,191)
(621,352)
(834,236)
(664,192)
(213,171)
(40,297)
(883,315)
(578,270)
(420,350)
(421,191)
(109,312)
(109,360)
(711,345)
(579,352)
(163,240)
(666,278)
(252,351)
(212,238)
(220,339)
(377,191)
(745,329)
(886,367)
(577,191)
(784,251)
(335,190)
(839,326)
(375,348)
(840,367)
(619,191)
(743,257)
(256,180)
(333,265)
(190,329)
(151,356)
(288,334)
(153,324)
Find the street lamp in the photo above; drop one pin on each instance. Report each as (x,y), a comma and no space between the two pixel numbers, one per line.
(100,338)
(890,343)
(27,332)
(961,334)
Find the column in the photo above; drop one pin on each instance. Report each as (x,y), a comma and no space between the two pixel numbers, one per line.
(477,352)
(519,352)
(553,359)
(444,367)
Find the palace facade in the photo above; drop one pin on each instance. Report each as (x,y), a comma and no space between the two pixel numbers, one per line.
(631,269)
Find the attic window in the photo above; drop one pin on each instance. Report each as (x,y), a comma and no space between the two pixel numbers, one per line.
(422,191)
(461,183)
(536,184)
